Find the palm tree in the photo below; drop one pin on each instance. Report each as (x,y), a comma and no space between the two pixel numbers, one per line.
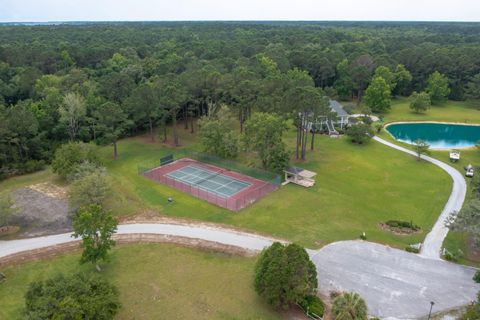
(349,306)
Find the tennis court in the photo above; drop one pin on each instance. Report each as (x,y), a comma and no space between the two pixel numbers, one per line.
(208,180)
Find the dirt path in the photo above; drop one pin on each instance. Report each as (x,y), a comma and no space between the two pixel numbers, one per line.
(432,245)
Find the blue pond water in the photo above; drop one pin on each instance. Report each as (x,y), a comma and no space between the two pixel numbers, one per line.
(437,135)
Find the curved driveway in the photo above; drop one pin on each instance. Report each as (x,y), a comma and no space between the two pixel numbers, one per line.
(432,244)
(395,283)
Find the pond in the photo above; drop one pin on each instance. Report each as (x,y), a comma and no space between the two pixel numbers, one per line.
(437,135)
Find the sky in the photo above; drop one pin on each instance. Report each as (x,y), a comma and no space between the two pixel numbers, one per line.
(160,10)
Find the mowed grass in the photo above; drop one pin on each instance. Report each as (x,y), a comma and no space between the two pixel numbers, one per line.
(358,187)
(156,282)
(450,111)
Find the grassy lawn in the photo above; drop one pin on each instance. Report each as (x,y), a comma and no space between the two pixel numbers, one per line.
(451,111)
(156,282)
(455,112)
(358,187)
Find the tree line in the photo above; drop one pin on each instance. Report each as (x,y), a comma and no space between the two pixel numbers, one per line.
(100,82)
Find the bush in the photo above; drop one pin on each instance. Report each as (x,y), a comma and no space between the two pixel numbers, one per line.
(412,250)
(476,277)
(72,154)
(402,224)
(72,297)
(452,256)
(312,305)
(360,133)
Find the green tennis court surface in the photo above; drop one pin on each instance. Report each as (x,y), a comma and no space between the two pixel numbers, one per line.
(208,180)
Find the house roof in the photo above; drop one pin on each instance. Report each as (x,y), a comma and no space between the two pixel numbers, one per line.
(338,108)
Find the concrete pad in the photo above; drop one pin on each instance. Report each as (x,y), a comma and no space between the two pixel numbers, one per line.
(395,284)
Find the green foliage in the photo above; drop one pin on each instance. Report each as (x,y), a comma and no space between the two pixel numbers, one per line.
(91,188)
(349,306)
(218,134)
(476,277)
(468,220)
(472,91)
(284,275)
(111,123)
(437,87)
(360,133)
(312,305)
(402,224)
(412,249)
(343,83)
(420,102)
(402,79)
(387,75)
(472,312)
(72,113)
(6,210)
(72,297)
(72,154)
(263,134)
(96,227)
(377,96)
(421,148)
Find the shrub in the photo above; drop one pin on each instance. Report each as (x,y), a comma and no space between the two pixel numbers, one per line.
(72,154)
(452,256)
(312,304)
(412,250)
(363,236)
(72,297)
(360,133)
(402,224)
(476,277)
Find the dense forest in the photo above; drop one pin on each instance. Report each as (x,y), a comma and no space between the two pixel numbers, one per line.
(102,81)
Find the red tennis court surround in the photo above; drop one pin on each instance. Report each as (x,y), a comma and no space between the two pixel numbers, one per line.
(252,190)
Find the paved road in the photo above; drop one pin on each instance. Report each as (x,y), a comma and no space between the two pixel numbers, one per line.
(393,282)
(396,284)
(432,244)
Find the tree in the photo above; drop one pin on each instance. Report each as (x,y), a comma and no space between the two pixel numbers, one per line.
(421,148)
(72,113)
(96,227)
(218,133)
(402,79)
(7,210)
(344,83)
(145,106)
(172,96)
(112,122)
(420,102)
(284,275)
(472,91)
(468,220)
(72,297)
(263,134)
(349,306)
(377,96)
(387,75)
(437,87)
(90,189)
(70,155)
(360,133)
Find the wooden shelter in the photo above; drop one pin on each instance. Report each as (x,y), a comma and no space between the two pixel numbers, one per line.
(300,176)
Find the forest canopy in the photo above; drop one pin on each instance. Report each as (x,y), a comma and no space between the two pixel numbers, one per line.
(102,81)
